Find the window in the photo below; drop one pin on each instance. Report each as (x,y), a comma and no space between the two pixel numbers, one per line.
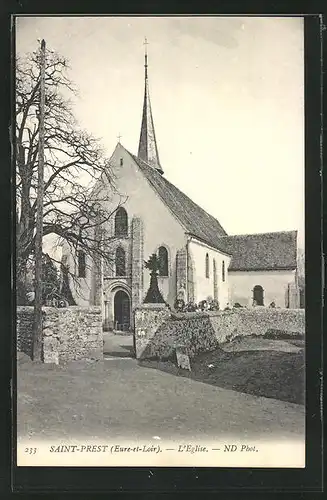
(258,295)
(81,264)
(121,223)
(163,261)
(120,262)
(223,271)
(207,266)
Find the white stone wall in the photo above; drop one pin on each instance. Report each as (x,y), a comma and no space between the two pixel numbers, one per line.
(204,287)
(274,284)
(82,288)
(160,226)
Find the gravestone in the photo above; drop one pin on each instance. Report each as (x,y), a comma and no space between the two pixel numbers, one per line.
(183,359)
(50,350)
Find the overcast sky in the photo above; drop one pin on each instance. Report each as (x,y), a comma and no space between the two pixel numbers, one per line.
(227,97)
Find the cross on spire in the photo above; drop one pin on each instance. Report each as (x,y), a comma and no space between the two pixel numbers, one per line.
(145,43)
(119,137)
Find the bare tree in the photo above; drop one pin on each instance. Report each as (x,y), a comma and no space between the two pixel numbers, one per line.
(74,203)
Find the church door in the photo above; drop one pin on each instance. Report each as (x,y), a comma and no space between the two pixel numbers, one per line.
(122,311)
(258,295)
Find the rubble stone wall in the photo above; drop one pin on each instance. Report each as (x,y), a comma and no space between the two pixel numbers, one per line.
(70,333)
(158,332)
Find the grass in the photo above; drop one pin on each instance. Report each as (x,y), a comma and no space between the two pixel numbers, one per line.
(258,366)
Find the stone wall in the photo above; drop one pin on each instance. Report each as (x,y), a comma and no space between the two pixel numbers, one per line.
(158,332)
(69,334)
(256,321)
(148,319)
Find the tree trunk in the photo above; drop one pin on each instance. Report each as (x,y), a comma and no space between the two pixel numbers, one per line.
(21,280)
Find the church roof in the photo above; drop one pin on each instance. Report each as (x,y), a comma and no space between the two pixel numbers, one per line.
(249,252)
(195,220)
(265,251)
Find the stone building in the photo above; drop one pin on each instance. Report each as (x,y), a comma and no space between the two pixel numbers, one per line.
(197,258)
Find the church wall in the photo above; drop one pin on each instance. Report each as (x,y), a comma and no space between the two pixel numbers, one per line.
(159,225)
(82,288)
(274,284)
(205,287)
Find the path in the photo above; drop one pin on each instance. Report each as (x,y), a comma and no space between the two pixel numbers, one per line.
(118,398)
(120,346)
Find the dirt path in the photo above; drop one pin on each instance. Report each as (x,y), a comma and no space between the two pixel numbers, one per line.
(118,398)
(118,345)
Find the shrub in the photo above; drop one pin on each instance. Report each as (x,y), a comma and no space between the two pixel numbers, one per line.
(214,305)
(190,307)
(179,305)
(203,305)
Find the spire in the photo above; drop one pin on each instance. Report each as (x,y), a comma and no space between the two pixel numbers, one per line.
(148,150)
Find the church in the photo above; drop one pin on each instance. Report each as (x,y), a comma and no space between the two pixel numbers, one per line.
(198,259)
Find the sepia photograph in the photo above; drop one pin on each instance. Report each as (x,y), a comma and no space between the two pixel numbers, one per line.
(160,278)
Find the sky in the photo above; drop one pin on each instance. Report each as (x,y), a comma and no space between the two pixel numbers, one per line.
(227,96)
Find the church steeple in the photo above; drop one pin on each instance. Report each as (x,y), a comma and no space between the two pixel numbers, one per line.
(148,150)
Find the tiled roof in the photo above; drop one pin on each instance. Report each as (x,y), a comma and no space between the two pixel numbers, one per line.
(195,220)
(251,252)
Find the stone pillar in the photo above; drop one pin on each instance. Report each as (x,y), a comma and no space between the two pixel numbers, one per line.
(97,272)
(181,271)
(137,261)
(147,321)
(51,335)
(191,281)
(215,280)
(293,296)
(98,282)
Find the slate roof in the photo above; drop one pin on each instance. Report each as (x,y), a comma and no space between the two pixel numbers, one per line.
(195,220)
(263,251)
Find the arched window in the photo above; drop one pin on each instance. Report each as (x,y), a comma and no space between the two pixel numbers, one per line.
(121,223)
(207,266)
(223,271)
(81,262)
(120,262)
(163,261)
